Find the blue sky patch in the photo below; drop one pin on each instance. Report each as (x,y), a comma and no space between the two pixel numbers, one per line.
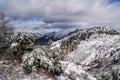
(34,20)
(112,1)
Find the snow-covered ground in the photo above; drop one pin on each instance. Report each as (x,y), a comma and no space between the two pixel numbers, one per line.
(74,72)
(100,49)
(15,72)
(97,46)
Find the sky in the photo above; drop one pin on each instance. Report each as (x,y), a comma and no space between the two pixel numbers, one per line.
(62,14)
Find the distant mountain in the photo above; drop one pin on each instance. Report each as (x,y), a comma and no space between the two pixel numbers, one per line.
(37,35)
(44,38)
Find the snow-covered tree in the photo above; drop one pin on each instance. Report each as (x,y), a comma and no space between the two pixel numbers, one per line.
(42,58)
(5,32)
(22,43)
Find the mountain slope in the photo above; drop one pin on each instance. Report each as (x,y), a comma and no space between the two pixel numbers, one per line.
(43,39)
(97,50)
(70,43)
(87,54)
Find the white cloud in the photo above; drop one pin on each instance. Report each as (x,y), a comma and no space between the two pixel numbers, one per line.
(85,11)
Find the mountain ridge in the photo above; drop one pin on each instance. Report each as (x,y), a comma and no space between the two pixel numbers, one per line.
(96,50)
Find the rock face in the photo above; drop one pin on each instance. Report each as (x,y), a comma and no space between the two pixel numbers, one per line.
(42,58)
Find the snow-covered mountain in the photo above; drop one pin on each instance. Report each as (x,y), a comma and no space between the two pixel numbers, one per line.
(86,54)
(44,38)
(95,50)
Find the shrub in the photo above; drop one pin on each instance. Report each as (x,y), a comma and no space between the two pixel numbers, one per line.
(115,74)
(22,43)
(42,58)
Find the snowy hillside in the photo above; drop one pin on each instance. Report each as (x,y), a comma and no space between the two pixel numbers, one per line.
(96,47)
(98,51)
(86,54)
